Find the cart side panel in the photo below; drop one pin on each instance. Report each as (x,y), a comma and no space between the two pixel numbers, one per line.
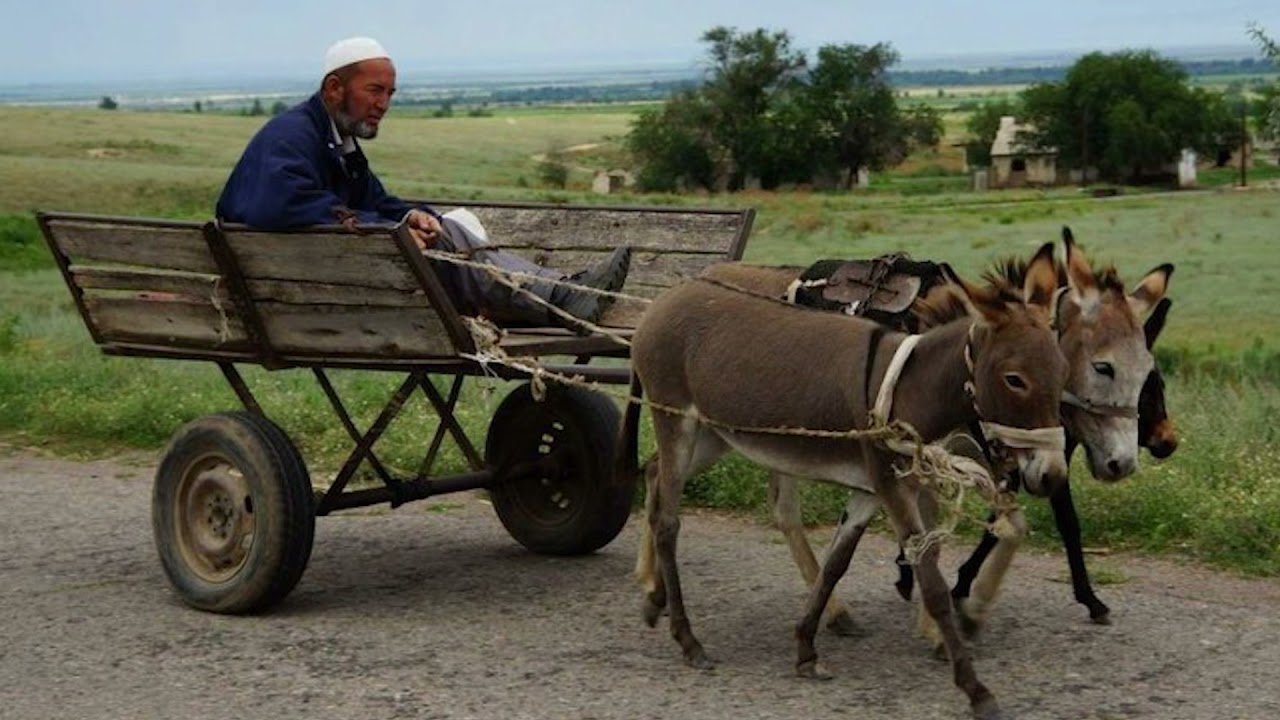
(326,294)
(146,283)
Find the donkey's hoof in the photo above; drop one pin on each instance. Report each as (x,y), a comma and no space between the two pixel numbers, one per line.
(843,625)
(813,670)
(940,652)
(969,627)
(1099,613)
(652,611)
(904,590)
(698,659)
(987,709)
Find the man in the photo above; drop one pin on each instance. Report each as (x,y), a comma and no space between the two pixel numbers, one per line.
(305,167)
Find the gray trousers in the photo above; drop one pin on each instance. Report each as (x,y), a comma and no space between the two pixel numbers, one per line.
(476,292)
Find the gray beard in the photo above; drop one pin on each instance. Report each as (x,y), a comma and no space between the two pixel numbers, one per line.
(348,125)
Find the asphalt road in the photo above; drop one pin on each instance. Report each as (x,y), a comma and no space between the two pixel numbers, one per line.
(431,611)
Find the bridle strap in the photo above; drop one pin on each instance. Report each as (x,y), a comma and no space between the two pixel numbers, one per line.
(994,437)
(1097,408)
(1070,398)
(1045,438)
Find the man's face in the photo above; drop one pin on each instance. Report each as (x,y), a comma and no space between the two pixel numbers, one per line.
(359,104)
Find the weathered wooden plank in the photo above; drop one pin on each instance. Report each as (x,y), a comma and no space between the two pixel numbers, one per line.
(647,268)
(554,228)
(197,285)
(172,247)
(166,322)
(296,292)
(333,258)
(391,332)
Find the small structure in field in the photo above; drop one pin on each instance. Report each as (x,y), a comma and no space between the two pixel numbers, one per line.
(607,182)
(1014,163)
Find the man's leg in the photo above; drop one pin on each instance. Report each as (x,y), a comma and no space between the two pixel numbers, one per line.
(481,290)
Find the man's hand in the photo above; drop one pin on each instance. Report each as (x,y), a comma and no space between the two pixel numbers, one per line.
(424,228)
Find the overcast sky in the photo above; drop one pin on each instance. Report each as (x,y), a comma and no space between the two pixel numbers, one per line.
(137,40)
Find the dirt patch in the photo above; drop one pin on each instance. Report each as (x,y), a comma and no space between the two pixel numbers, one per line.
(432,611)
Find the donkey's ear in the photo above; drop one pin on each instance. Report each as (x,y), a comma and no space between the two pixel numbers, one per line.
(1041,281)
(979,303)
(1084,286)
(1150,289)
(1154,324)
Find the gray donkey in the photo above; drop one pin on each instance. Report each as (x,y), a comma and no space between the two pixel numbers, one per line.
(725,369)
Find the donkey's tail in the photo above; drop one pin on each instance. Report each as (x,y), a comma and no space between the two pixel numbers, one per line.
(626,462)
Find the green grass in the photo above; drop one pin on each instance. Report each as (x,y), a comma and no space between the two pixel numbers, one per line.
(1217,499)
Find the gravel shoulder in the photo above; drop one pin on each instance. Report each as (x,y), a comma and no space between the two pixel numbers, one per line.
(432,611)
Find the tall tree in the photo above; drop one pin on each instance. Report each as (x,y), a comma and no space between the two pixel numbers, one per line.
(1267,108)
(854,109)
(1126,113)
(749,73)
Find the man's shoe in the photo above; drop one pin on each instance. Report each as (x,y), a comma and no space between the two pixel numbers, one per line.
(608,276)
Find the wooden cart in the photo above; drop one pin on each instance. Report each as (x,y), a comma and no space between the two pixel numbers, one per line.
(233,507)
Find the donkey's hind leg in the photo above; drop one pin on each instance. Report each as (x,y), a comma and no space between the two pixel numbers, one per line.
(861,508)
(784,498)
(684,447)
(655,593)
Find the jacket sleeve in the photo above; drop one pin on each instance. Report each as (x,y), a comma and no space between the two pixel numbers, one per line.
(288,190)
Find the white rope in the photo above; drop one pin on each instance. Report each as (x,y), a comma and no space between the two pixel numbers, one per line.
(884,399)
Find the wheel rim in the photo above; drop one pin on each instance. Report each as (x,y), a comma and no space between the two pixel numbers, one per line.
(213,510)
(550,493)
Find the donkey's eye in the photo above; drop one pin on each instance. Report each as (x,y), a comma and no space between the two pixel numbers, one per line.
(1105,369)
(1015,381)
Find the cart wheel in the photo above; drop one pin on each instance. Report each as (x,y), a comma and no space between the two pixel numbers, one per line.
(232,513)
(555,492)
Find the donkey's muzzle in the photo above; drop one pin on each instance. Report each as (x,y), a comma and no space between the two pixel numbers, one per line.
(1162,441)
(1042,471)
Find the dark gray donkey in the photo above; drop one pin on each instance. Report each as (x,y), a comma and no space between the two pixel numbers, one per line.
(724,369)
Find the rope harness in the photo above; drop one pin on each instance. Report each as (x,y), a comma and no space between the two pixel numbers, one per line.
(948,474)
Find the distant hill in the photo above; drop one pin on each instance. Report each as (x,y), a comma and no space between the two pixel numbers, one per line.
(654,82)
(1053,73)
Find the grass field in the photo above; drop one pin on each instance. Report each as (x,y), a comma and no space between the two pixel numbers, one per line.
(1218,498)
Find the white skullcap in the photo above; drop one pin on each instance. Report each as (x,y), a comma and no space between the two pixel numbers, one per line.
(352,50)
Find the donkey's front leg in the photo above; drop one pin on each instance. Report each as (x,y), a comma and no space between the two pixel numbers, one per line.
(1064,516)
(986,586)
(937,602)
(784,498)
(904,512)
(861,508)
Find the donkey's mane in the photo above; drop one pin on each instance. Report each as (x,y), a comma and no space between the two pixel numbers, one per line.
(1014,270)
(945,303)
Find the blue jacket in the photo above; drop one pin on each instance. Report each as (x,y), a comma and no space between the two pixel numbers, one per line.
(293,174)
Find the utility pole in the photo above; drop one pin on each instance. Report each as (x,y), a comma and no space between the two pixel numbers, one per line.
(1244,143)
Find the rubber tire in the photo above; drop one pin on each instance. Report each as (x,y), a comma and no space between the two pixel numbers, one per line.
(281,503)
(587,433)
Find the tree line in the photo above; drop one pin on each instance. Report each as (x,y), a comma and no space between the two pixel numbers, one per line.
(1056,73)
(765,116)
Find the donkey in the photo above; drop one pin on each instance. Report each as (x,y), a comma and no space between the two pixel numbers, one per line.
(1099,337)
(722,368)
(1109,357)
(1156,433)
